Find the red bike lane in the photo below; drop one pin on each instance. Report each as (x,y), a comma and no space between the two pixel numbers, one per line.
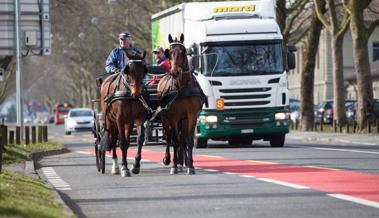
(332,181)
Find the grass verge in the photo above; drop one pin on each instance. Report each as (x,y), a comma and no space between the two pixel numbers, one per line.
(19,153)
(22,196)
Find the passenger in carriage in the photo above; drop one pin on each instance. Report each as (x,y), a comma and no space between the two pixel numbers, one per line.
(117,58)
(162,61)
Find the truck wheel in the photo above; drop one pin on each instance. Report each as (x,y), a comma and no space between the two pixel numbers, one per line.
(201,142)
(277,140)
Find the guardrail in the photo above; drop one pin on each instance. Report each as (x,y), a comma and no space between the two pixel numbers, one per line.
(10,135)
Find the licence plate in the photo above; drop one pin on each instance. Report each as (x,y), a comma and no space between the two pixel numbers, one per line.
(247,130)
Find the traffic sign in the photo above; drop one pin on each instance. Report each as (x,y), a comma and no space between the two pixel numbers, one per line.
(35,27)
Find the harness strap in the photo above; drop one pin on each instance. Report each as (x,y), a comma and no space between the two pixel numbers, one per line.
(145,104)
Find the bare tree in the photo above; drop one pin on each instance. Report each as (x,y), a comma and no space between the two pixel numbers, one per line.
(337,28)
(8,64)
(307,74)
(360,33)
(287,16)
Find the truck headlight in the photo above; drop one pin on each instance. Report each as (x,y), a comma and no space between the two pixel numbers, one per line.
(281,116)
(211,119)
(208,119)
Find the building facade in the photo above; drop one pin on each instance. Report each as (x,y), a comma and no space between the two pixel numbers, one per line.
(323,83)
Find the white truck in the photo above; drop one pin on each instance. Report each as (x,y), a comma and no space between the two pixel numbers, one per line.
(236,49)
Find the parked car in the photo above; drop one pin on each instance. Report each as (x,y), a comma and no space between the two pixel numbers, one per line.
(79,119)
(351,110)
(324,111)
(295,109)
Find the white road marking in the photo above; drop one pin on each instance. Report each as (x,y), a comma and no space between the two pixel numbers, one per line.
(210,170)
(55,180)
(291,185)
(230,173)
(355,200)
(84,152)
(248,176)
(337,149)
(347,150)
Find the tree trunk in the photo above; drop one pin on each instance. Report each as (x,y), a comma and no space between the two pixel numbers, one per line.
(338,82)
(281,16)
(362,65)
(7,63)
(307,75)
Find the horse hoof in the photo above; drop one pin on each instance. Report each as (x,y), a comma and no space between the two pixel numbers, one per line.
(135,170)
(174,171)
(191,171)
(166,161)
(180,168)
(115,170)
(125,172)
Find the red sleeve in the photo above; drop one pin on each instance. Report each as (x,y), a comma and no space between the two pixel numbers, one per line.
(166,63)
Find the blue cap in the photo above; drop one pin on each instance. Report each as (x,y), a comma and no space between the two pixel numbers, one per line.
(124,35)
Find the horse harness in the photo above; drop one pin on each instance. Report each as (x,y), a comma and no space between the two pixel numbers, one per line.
(124,94)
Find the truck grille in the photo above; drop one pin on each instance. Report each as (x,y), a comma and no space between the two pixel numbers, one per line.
(265,89)
(247,119)
(246,97)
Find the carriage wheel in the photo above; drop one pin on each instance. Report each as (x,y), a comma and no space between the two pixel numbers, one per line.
(96,132)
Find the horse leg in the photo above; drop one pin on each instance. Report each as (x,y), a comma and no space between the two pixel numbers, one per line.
(189,145)
(115,168)
(182,142)
(140,141)
(175,141)
(166,127)
(124,145)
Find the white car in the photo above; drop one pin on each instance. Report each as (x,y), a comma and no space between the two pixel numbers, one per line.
(79,119)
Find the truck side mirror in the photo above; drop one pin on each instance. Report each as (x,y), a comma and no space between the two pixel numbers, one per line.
(190,51)
(291,61)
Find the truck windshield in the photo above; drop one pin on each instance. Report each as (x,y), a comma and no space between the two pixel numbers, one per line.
(238,59)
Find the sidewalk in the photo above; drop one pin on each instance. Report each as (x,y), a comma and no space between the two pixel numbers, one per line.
(356,139)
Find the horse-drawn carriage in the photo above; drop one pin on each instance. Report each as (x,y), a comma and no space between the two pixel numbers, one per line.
(127,105)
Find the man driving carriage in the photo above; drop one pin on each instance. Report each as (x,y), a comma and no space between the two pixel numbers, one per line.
(117,59)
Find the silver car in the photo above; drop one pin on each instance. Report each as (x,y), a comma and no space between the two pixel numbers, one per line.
(79,119)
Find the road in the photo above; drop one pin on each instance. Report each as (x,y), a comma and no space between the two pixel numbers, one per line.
(303,179)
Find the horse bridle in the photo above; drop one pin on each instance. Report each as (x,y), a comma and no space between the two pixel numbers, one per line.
(180,69)
(127,84)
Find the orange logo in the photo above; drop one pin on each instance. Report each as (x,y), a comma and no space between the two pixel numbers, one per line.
(220,104)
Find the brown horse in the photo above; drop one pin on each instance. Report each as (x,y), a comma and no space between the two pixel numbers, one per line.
(182,100)
(123,106)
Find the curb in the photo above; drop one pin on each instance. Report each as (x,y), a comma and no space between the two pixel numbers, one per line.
(330,138)
(32,169)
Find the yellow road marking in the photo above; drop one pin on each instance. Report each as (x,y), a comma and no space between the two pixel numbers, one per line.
(261,162)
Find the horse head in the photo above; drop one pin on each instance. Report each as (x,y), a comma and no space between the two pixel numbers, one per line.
(135,71)
(178,53)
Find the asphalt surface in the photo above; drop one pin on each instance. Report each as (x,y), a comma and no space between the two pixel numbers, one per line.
(244,181)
